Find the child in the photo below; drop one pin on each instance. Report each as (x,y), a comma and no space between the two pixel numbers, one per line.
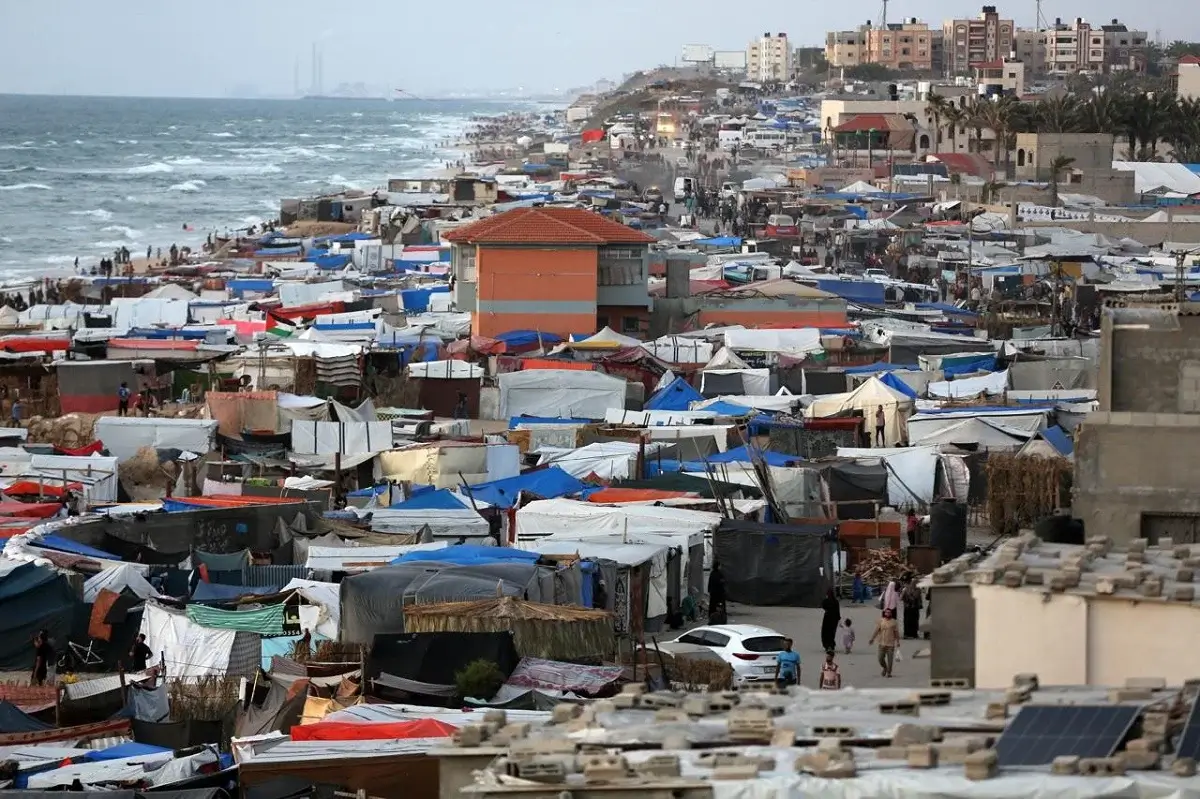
(847,637)
(860,594)
(831,677)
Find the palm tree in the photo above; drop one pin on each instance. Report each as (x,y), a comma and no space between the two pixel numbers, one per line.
(935,109)
(955,119)
(977,115)
(1057,166)
(1057,115)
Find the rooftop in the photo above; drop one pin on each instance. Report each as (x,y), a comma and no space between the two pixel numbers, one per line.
(877,122)
(547,226)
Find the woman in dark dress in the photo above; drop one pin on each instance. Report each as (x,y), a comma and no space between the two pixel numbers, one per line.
(910,598)
(829,622)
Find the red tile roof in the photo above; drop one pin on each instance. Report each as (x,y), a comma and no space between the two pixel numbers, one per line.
(878,122)
(1190,59)
(547,226)
(963,163)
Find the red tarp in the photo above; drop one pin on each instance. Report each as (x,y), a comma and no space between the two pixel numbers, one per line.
(47,489)
(33,344)
(548,363)
(610,495)
(592,134)
(81,452)
(153,344)
(309,311)
(349,731)
(29,510)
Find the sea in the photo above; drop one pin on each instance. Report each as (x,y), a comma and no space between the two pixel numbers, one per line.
(83,176)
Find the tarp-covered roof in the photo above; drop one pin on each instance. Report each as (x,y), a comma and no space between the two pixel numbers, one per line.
(547,483)
(678,396)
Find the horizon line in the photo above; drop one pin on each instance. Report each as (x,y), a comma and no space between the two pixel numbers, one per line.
(536,97)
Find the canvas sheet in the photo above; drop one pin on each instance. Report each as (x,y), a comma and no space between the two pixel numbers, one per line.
(755,382)
(97,473)
(868,398)
(793,342)
(656,555)
(445,370)
(346,438)
(553,675)
(503,461)
(776,403)
(293,294)
(126,576)
(926,425)
(548,516)
(911,471)
(559,393)
(677,349)
(190,651)
(123,436)
(1057,373)
(994,383)
(608,460)
(130,312)
(240,411)
(365,412)
(326,598)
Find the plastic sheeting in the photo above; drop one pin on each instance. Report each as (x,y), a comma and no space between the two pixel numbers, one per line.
(349,731)
(131,312)
(798,341)
(346,438)
(188,649)
(868,398)
(994,383)
(125,435)
(445,370)
(559,392)
(912,471)
(680,349)
(117,579)
(549,483)
(678,396)
(266,620)
(774,564)
(608,460)
(327,597)
(755,382)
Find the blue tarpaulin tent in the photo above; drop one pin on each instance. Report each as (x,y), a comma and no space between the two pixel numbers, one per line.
(515,421)
(946,308)
(343,238)
(876,368)
(418,299)
(123,751)
(743,454)
(240,286)
(57,542)
(441,499)
(719,241)
(330,261)
(468,553)
(523,338)
(892,381)
(723,408)
(218,592)
(678,396)
(545,483)
(1059,439)
(953,367)
(861,291)
(166,333)
(278,252)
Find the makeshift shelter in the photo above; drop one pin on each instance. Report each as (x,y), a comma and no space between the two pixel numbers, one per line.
(606,339)
(775,564)
(545,631)
(975,433)
(32,598)
(857,489)
(677,396)
(559,392)
(125,435)
(867,399)
(425,663)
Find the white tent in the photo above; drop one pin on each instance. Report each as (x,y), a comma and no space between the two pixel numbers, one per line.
(446,370)
(868,398)
(860,187)
(117,579)
(993,383)
(986,434)
(170,291)
(559,392)
(678,349)
(797,341)
(604,340)
(726,359)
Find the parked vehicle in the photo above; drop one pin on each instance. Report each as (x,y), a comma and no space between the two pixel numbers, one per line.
(749,649)
(781,226)
(684,186)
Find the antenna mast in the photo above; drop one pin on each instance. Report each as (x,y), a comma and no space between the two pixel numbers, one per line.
(1041,19)
(883,16)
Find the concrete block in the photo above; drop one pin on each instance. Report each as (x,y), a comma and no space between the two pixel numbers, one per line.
(1140,761)
(470,735)
(1184,575)
(1139,544)
(1183,593)
(601,706)
(662,765)
(1101,766)
(495,716)
(696,705)
(670,714)
(1071,577)
(1149,683)
(783,738)
(511,732)
(1151,588)
(1116,695)
(1145,744)
(1035,577)
(1057,582)
(838,770)
(1191,563)
(1013,579)
(604,768)
(1181,552)
(892,752)
(625,701)
(543,770)
(662,699)
(635,688)
(564,712)
(1105,585)
(951,682)
(901,708)
(995,711)
(676,740)
(914,734)
(1165,542)
(831,746)
(1155,723)
(742,772)
(982,765)
(1135,556)
(985,576)
(922,756)
(1184,767)
(837,731)
(933,698)
(1016,696)
(1065,765)
(951,753)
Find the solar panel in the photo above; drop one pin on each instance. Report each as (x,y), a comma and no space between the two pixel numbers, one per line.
(1189,743)
(1040,733)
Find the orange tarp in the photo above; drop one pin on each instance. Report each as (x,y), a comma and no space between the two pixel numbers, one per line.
(547,363)
(611,495)
(348,731)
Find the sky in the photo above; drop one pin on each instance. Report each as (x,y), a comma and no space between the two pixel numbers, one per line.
(215,48)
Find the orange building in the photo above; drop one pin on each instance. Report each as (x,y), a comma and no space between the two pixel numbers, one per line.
(554,270)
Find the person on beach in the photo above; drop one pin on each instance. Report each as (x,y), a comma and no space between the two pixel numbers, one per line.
(123,394)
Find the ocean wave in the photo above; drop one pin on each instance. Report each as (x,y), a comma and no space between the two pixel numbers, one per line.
(59,259)
(187,160)
(97,213)
(187,185)
(8,171)
(6,239)
(24,186)
(77,141)
(223,135)
(127,232)
(150,169)
(111,245)
(338,180)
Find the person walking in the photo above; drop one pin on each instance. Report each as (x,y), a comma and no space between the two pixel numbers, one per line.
(43,658)
(887,638)
(787,666)
(831,675)
(913,524)
(880,424)
(123,394)
(17,410)
(830,620)
(910,598)
(848,636)
(716,596)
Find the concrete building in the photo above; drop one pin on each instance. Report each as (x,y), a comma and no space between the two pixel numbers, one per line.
(1074,48)
(1091,171)
(1124,49)
(975,41)
(1187,78)
(1030,46)
(846,48)
(769,59)
(557,270)
(999,77)
(904,46)
(1134,457)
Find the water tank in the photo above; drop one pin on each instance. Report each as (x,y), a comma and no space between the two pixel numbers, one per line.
(948,528)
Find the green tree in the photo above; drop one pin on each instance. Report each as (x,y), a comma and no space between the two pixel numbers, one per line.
(1057,166)
(935,109)
(955,118)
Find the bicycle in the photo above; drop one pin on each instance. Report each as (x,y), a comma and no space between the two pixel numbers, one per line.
(78,657)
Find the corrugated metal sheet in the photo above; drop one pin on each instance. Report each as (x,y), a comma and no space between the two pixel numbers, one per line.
(273,574)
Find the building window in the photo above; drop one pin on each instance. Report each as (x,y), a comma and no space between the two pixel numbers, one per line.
(631,324)
(601,322)
(466,263)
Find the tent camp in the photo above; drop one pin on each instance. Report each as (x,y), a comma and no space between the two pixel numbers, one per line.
(775,564)
(868,398)
(559,392)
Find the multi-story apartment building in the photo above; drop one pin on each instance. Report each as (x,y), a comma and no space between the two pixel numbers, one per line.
(974,41)
(846,48)
(769,59)
(1124,49)
(1030,47)
(904,46)
(1074,48)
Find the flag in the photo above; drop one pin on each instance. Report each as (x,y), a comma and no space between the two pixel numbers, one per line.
(280,326)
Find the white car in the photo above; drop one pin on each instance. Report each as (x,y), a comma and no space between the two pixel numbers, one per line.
(877,275)
(749,649)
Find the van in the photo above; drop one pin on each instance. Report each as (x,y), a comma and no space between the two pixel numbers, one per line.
(729,190)
(684,187)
